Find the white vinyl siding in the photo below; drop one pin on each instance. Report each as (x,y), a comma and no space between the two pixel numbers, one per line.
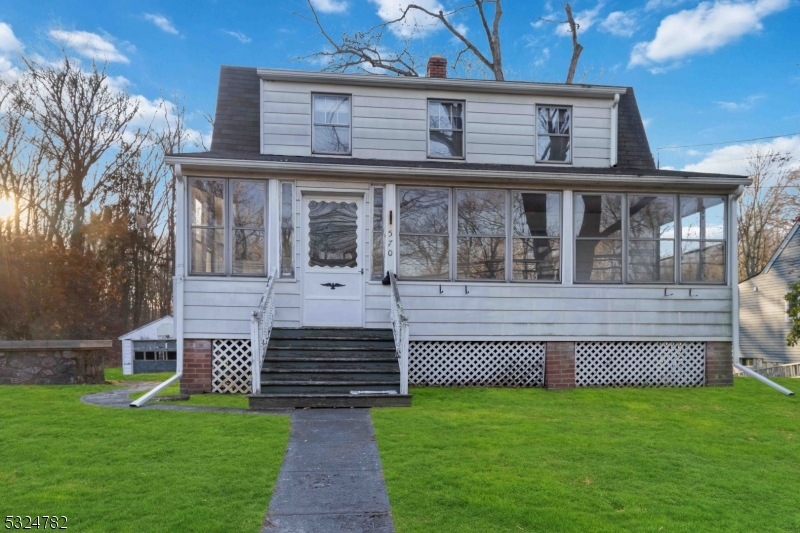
(391,124)
(222,308)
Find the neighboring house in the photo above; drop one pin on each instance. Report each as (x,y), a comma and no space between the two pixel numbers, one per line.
(150,348)
(762,311)
(534,241)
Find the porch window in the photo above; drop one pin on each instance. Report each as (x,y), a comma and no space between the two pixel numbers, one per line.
(227,225)
(207,204)
(331,124)
(598,243)
(651,245)
(653,234)
(481,245)
(424,236)
(287,230)
(703,231)
(248,200)
(377,234)
(553,134)
(446,129)
(499,234)
(536,232)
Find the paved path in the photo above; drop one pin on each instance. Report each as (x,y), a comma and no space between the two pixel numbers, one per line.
(119,398)
(331,479)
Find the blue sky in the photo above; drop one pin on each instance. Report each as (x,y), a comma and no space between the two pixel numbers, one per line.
(704,72)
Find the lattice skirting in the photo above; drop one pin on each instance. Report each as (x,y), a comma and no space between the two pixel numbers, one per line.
(476,364)
(231,366)
(640,364)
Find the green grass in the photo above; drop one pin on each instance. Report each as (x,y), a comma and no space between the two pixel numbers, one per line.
(134,469)
(115,374)
(504,460)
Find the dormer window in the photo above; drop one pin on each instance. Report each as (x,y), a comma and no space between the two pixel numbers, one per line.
(445,129)
(331,124)
(553,134)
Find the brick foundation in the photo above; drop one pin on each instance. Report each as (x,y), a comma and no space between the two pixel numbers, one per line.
(559,366)
(719,364)
(196,378)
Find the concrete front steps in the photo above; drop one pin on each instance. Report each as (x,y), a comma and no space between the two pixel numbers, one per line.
(330,368)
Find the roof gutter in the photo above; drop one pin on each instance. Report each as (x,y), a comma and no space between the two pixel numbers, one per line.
(455,84)
(463,174)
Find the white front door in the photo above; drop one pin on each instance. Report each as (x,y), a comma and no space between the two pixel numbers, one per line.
(333,260)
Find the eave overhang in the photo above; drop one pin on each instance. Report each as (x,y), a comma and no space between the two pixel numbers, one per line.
(361,172)
(448,84)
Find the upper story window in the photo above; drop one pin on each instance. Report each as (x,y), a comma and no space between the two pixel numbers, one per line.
(331,124)
(228,227)
(634,238)
(446,129)
(554,134)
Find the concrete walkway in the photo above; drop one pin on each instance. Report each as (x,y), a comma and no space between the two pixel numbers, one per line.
(331,479)
(119,398)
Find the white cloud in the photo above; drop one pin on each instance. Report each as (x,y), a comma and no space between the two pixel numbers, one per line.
(733,159)
(416,22)
(330,6)
(9,46)
(89,45)
(646,121)
(162,22)
(241,37)
(584,19)
(619,23)
(703,29)
(8,41)
(745,104)
(693,153)
(544,56)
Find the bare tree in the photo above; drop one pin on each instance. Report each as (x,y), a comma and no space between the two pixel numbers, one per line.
(766,209)
(83,126)
(366,51)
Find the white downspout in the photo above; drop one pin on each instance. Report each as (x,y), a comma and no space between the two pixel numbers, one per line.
(614,130)
(177,289)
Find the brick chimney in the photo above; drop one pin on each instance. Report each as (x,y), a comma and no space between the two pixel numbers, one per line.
(437,66)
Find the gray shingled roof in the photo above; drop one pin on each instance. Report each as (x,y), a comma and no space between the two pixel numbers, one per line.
(236,132)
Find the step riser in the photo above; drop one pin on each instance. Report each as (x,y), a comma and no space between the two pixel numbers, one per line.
(320,389)
(333,354)
(257,403)
(307,333)
(268,377)
(349,366)
(337,344)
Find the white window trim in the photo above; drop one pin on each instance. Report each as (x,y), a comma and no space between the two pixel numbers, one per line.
(463,129)
(349,126)
(536,135)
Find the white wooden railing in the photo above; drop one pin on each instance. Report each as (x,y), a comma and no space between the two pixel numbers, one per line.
(261,329)
(401,333)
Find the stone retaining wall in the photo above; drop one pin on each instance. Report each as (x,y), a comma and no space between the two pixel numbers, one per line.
(52,362)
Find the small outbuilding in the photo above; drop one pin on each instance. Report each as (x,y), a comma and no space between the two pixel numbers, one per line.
(150,348)
(763,321)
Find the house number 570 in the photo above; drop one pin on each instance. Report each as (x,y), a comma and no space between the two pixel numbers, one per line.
(390,252)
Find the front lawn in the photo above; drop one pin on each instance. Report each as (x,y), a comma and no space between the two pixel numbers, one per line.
(505,460)
(135,469)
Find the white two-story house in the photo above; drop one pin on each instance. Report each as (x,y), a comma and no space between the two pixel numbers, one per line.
(443,232)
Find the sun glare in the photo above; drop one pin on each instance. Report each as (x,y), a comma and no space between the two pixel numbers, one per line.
(6,208)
